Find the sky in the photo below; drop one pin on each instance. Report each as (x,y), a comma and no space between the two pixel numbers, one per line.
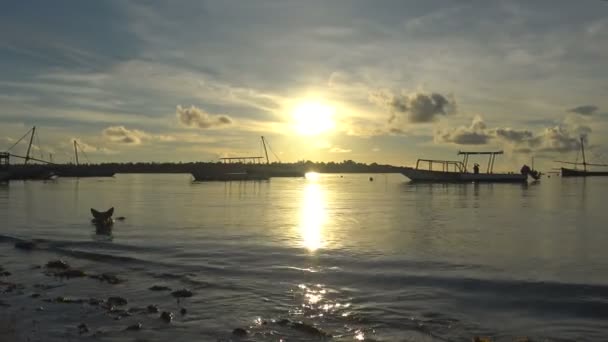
(385,81)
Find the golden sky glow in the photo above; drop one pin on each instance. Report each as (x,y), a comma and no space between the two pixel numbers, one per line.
(313,117)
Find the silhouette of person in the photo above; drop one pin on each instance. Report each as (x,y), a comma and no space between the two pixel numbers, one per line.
(476,168)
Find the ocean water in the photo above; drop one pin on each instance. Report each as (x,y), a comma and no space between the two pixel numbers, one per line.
(381,260)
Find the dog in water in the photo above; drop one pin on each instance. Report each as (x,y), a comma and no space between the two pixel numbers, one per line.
(103,221)
(102,218)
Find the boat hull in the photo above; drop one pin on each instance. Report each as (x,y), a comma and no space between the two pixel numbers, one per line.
(581,173)
(82,172)
(31,173)
(4,176)
(228,176)
(417,175)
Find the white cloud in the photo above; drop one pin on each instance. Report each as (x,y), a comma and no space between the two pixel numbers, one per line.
(337,149)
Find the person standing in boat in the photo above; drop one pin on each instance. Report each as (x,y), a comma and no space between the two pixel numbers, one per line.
(476,168)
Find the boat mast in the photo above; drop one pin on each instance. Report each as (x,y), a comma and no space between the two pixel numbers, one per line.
(76,151)
(29,147)
(265,151)
(583,152)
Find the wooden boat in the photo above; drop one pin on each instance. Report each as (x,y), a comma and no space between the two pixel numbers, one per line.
(25,171)
(457,172)
(4,165)
(207,176)
(246,168)
(78,170)
(82,171)
(568,172)
(31,172)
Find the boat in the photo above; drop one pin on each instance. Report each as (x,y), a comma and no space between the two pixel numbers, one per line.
(79,170)
(25,171)
(246,168)
(207,176)
(275,169)
(453,171)
(4,166)
(575,172)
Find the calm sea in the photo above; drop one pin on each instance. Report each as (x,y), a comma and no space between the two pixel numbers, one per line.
(380,260)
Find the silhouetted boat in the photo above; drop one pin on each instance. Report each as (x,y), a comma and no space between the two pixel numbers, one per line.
(4,175)
(456,171)
(80,171)
(26,171)
(207,176)
(247,168)
(567,172)
(31,172)
(4,166)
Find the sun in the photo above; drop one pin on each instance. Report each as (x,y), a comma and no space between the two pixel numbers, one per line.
(313,118)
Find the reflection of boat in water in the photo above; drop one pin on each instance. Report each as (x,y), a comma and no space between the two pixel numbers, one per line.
(79,170)
(457,172)
(567,172)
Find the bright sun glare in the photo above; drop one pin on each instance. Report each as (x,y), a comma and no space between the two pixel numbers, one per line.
(313,118)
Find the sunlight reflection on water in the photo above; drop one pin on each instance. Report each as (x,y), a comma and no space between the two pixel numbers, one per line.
(313,215)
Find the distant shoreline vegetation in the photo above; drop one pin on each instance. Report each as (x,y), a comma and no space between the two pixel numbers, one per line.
(346,166)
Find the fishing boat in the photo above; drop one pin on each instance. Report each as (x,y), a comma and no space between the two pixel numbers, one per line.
(575,172)
(4,165)
(207,176)
(26,171)
(457,171)
(247,168)
(80,170)
(277,169)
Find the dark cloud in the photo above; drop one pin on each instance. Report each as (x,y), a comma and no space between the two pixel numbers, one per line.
(584,110)
(195,117)
(559,138)
(475,134)
(415,108)
(120,134)
(512,135)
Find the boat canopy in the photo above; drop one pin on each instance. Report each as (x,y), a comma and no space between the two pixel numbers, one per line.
(255,160)
(492,154)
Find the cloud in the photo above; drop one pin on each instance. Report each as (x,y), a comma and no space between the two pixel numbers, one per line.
(584,110)
(120,134)
(88,148)
(337,149)
(195,117)
(475,134)
(560,138)
(512,135)
(414,108)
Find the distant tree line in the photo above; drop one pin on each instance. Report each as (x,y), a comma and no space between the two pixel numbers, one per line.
(346,166)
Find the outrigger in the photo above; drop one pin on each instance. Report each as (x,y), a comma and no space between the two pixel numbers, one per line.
(456,171)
